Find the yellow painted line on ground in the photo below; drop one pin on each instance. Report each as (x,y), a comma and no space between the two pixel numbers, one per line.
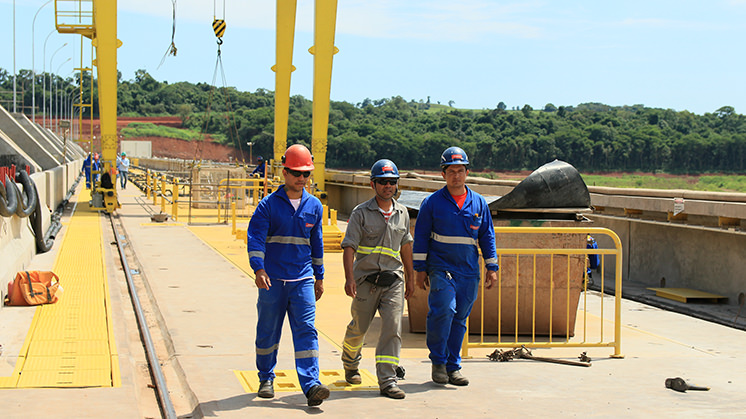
(287,380)
(71,343)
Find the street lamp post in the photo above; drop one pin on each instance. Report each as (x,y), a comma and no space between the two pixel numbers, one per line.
(50,84)
(33,68)
(44,81)
(251,149)
(57,93)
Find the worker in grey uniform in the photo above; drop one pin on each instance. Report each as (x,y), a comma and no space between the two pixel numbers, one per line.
(379,275)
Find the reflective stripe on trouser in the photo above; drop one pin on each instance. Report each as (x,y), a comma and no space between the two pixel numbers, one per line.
(450,303)
(298,300)
(389,302)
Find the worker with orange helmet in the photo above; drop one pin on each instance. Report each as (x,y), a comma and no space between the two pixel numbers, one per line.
(286,252)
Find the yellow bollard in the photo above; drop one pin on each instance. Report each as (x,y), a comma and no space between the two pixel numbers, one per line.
(147,184)
(233,218)
(333,214)
(325,220)
(155,195)
(175,199)
(163,193)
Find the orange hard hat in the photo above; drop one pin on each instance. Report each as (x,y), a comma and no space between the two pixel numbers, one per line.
(297,157)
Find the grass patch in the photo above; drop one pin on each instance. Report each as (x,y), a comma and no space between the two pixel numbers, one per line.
(145,129)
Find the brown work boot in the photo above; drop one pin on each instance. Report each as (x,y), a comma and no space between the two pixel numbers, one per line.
(353,377)
(439,374)
(317,394)
(457,379)
(393,392)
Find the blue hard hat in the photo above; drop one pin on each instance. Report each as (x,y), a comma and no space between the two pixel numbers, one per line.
(259,159)
(454,155)
(384,168)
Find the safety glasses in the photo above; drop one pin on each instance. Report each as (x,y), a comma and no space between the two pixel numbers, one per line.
(387,181)
(298,173)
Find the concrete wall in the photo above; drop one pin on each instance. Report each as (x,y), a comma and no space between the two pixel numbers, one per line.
(17,241)
(25,141)
(679,256)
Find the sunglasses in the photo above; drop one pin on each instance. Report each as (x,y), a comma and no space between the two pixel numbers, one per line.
(387,181)
(298,173)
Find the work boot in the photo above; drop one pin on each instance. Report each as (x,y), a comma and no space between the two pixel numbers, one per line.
(353,377)
(393,392)
(266,389)
(439,374)
(317,394)
(457,379)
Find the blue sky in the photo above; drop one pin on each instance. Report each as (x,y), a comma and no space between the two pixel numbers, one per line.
(683,55)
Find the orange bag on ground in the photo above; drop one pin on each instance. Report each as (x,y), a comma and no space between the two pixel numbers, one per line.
(33,288)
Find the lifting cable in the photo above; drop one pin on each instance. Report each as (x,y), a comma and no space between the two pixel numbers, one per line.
(171,48)
(218,26)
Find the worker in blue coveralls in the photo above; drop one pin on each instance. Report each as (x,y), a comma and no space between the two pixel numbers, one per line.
(378,276)
(286,252)
(593,260)
(87,163)
(260,166)
(452,225)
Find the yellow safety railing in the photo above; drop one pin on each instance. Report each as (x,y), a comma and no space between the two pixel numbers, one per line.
(231,189)
(533,305)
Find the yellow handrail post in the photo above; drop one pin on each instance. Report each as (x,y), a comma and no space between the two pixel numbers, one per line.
(175,199)
(155,188)
(147,184)
(233,218)
(163,193)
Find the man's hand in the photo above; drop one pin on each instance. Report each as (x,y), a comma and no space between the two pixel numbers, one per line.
(422,280)
(318,288)
(262,279)
(351,287)
(408,287)
(490,279)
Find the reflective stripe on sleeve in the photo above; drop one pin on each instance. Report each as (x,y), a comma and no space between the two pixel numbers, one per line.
(289,240)
(317,261)
(490,260)
(256,254)
(419,256)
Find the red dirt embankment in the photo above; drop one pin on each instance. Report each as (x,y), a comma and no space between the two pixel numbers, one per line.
(170,147)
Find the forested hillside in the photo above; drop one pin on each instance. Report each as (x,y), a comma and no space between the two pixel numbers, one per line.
(592,137)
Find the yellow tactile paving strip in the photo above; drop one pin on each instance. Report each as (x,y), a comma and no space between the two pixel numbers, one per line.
(71,343)
(287,380)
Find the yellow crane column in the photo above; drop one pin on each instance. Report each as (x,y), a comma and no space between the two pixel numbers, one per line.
(106,43)
(323,51)
(286,10)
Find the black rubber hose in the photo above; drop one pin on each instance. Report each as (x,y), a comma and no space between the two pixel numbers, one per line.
(43,244)
(30,197)
(9,199)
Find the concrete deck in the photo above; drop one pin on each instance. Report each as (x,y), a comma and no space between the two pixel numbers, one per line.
(206,309)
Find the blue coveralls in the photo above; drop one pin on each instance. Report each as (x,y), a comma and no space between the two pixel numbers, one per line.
(87,170)
(288,245)
(446,245)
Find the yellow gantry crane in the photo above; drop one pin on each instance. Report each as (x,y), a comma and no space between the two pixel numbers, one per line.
(97,20)
(323,50)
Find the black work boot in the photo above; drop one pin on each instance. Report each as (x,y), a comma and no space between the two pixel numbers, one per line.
(353,376)
(393,392)
(457,379)
(317,394)
(266,389)
(439,374)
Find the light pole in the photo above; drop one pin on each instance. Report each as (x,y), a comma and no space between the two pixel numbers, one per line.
(44,81)
(50,84)
(33,68)
(57,92)
(251,149)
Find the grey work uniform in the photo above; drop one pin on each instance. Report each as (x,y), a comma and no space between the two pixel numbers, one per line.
(377,245)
